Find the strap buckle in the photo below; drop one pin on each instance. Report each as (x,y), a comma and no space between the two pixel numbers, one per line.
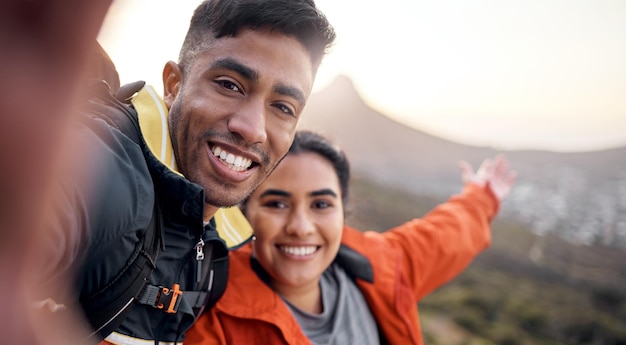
(168,298)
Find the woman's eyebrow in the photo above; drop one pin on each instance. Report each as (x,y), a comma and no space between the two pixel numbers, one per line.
(325,191)
(277,192)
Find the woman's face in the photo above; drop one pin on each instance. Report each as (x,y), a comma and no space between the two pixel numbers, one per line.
(297,217)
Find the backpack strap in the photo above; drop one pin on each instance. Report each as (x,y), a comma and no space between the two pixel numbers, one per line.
(126,92)
(128,284)
(108,318)
(213,274)
(103,105)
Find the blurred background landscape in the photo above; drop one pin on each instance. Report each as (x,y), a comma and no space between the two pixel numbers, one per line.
(556,272)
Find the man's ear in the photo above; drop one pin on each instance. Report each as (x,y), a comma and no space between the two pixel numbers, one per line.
(172,82)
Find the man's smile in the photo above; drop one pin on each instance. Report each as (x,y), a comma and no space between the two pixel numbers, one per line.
(234,162)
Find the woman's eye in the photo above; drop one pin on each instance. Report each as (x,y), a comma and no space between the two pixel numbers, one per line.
(227,84)
(275,204)
(322,204)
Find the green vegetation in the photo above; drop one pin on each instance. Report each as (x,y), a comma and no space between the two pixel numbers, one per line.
(509,309)
(566,294)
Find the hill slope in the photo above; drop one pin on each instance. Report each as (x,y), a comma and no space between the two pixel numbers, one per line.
(525,289)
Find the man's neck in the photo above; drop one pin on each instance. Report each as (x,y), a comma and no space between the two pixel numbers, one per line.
(209,212)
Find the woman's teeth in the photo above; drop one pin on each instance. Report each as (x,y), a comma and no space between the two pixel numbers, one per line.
(298,251)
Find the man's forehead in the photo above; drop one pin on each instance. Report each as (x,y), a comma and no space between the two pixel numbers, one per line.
(246,37)
(290,70)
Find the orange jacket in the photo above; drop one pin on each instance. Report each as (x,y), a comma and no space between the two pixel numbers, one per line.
(406,263)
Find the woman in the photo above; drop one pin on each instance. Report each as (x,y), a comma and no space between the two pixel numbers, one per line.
(308,279)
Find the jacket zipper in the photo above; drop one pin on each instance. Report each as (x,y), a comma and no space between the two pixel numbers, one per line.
(199,259)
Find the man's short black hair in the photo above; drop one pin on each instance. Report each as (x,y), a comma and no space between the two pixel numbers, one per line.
(300,19)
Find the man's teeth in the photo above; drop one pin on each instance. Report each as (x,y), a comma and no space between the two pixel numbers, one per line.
(236,163)
(298,251)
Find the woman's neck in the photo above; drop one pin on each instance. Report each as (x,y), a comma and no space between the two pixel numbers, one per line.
(307,298)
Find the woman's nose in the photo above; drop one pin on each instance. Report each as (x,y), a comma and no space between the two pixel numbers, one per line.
(300,223)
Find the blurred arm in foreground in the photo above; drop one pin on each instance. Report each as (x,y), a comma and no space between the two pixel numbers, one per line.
(46,45)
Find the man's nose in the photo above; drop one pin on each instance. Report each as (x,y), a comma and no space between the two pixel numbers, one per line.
(249,122)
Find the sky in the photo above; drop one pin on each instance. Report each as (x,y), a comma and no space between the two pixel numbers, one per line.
(516,74)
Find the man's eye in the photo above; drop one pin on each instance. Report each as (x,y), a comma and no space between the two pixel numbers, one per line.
(227,84)
(285,109)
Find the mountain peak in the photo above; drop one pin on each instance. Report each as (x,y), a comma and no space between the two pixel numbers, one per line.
(341,89)
(343,82)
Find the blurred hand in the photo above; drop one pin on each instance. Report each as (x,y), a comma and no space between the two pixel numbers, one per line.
(494,173)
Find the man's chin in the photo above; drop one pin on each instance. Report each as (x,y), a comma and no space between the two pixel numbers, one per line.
(223,201)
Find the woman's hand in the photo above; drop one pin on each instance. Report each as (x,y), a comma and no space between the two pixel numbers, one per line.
(494,173)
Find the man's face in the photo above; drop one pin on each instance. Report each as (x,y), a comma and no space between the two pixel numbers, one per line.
(234,114)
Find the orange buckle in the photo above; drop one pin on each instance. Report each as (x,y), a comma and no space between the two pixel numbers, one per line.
(169,297)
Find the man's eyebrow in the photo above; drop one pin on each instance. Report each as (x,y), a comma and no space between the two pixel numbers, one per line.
(236,66)
(290,91)
(276,192)
(321,192)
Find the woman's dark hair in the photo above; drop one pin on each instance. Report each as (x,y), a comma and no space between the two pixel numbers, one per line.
(300,19)
(307,141)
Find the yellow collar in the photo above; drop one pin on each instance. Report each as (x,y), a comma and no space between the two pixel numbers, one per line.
(232,225)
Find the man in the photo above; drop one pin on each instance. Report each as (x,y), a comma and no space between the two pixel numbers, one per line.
(244,74)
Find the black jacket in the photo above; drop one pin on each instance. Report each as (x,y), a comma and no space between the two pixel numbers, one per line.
(102,218)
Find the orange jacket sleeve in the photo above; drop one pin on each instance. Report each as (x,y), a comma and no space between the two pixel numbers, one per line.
(439,246)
